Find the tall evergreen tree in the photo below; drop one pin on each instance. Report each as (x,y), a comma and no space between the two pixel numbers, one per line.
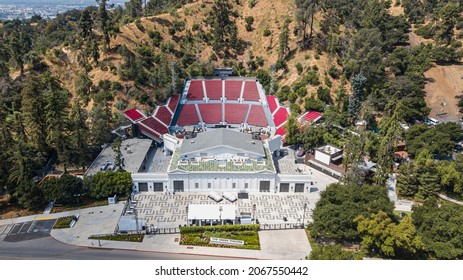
(118,158)
(284,41)
(79,134)
(33,102)
(355,100)
(57,122)
(305,13)
(105,23)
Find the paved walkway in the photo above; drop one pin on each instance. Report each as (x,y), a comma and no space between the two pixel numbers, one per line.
(170,211)
(278,244)
(399,205)
(444,197)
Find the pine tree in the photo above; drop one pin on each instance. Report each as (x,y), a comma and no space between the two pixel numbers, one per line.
(105,22)
(79,134)
(20,44)
(305,13)
(57,122)
(118,158)
(32,100)
(284,40)
(358,83)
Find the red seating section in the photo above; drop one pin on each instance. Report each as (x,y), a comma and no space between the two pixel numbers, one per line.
(155,125)
(134,114)
(280,116)
(163,114)
(173,101)
(214,89)
(311,116)
(235,113)
(233,89)
(211,113)
(257,116)
(188,116)
(272,103)
(148,132)
(281,131)
(195,92)
(250,91)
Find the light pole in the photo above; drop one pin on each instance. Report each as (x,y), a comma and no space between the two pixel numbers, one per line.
(303,217)
(254,213)
(187,223)
(220,214)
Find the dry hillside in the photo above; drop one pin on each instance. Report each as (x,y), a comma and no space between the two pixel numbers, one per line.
(267,15)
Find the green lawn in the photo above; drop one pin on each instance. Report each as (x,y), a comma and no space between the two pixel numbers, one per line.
(200,236)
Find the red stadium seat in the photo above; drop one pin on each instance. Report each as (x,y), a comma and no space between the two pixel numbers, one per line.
(211,113)
(188,116)
(235,113)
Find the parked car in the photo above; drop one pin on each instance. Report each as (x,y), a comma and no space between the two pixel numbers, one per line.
(458,148)
(105,165)
(215,196)
(300,153)
(230,197)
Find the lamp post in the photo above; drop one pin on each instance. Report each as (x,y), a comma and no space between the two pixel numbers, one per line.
(186,208)
(254,213)
(220,214)
(77,196)
(303,217)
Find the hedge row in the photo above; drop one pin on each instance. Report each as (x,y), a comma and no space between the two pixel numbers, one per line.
(120,237)
(198,229)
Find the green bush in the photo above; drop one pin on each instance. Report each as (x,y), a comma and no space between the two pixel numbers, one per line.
(267,32)
(249,21)
(120,237)
(251,3)
(299,68)
(195,27)
(64,222)
(139,25)
(197,229)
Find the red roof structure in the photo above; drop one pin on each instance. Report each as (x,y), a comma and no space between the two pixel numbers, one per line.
(257,116)
(188,116)
(211,113)
(213,89)
(134,115)
(235,113)
(233,89)
(195,91)
(250,92)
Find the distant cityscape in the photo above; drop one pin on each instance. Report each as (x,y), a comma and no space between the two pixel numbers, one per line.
(24,9)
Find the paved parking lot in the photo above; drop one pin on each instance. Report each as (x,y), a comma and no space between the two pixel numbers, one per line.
(27,230)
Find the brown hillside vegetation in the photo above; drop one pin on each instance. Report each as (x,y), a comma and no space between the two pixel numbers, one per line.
(267,15)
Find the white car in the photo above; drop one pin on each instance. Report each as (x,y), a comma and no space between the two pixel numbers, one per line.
(230,197)
(215,196)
